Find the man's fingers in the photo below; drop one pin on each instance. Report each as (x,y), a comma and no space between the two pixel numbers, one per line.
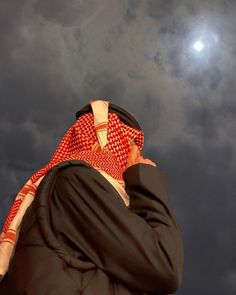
(136,157)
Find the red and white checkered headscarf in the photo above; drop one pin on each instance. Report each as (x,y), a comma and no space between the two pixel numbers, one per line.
(100,138)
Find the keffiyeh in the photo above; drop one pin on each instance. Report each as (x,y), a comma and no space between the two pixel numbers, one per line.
(101,139)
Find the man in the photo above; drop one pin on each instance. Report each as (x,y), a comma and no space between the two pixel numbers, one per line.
(100,221)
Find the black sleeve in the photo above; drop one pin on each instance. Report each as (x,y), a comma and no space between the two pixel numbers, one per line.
(140,246)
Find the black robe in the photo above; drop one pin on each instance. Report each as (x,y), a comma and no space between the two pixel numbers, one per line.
(78,237)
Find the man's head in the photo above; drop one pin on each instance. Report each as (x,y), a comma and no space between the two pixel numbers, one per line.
(123,115)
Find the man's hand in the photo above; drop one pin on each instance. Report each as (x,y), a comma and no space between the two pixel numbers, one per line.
(135,157)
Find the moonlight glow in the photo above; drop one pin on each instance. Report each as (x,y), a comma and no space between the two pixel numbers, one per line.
(198,46)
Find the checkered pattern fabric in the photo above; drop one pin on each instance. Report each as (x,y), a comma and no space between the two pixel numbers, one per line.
(80,142)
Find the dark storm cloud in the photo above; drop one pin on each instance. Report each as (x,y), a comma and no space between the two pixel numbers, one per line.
(227,109)
(102,86)
(175,27)
(203,121)
(159,9)
(135,74)
(191,8)
(130,12)
(57,55)
(25,85)
(74,12)
(31,97)
(208,119)
(157,59)
(211,201)
(209,77)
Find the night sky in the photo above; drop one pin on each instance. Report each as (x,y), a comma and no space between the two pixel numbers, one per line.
(172,65)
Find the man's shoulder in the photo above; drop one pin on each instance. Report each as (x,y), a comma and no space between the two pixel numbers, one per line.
(67,169)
